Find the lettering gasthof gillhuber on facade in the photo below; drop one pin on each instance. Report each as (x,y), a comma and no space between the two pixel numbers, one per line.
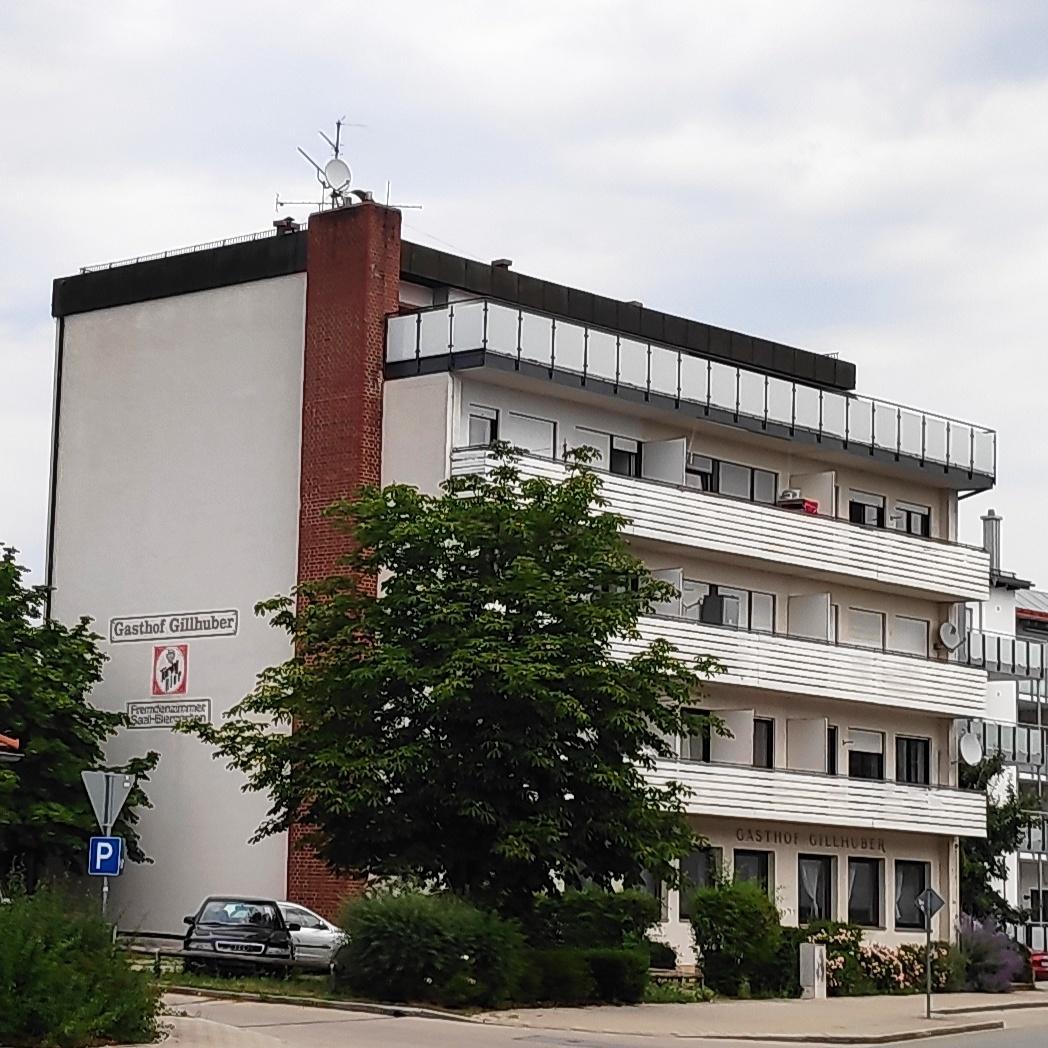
(841,840)
(174,625)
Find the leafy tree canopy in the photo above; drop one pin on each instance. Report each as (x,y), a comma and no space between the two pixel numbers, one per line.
(470,726)
(983,860)
(46,672)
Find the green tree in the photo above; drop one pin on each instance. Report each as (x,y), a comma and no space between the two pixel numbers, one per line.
(983,859)
(470,726)
(46,672)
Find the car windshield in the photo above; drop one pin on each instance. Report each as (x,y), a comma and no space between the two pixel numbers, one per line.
(237,913)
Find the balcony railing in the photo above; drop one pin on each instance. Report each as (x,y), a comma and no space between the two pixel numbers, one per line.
(731,394)
(1004,656)
(1032,934)
(832,801)
(1036,838)
(814,546)
(823,669)
(1024,746)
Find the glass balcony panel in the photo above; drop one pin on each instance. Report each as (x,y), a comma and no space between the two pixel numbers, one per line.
(910,432)
(633,363)
(961,444)
(834,408)
(536,339)
(434,333)
(467,326)
(569,348)
(400,338)
(934,439)
(694,377)
(807,408)
(723,386)
(780,401)
(860,421)
(503,329)
(751,394)
(886,426)
(985,446)
(663,363)
(601,356)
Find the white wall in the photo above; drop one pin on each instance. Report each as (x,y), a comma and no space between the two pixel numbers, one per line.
(178,491)
(416,430)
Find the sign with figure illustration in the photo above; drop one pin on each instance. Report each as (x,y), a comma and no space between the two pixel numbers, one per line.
(170,669)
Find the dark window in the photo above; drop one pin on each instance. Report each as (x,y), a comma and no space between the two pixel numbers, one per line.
(911,518)
(814,888)
(698,472)
(763,743)
(696,746)
(656,889)
(483,425)
(728,606)
(912,760)
(864,892)
(731,478)
(625,457)
(911,878)
(831,749)
(865,754)
(866,509)
(1039,905)
(700,869)
(753,866)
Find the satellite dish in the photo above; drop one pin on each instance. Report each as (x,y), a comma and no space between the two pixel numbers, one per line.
(970,748)
(337,173)
(949,636)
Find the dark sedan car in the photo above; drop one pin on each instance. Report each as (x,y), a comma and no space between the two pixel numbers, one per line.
(231,932)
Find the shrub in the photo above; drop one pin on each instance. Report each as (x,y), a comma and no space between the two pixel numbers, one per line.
(669,993)
(557,976)
(421,947)
(592,918)
(620,975)
(992,961)
(62,981)
(845,974)
(947,967)
(661,955)
(738,932)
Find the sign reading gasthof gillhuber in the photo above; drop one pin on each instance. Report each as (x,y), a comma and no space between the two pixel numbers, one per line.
(174,625)
(166,713)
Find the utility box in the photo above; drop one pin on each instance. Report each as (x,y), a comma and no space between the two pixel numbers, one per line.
(813,971)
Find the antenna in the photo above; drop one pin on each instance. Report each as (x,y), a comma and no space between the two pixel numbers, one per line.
(335,176)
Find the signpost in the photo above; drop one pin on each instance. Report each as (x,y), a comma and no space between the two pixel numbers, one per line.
(107,791)
(929,902)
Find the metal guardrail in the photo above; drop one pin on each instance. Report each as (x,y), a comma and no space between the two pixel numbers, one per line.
(1004,654)
(245,239)
(775,404)
(1023,745)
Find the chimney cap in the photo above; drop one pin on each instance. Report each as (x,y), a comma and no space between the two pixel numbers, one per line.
(635,302)
(501,263)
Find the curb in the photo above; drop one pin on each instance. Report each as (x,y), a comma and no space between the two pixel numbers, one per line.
(393,1011)
(1010,1006)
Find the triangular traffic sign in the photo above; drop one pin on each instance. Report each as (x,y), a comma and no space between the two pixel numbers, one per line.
(107,791)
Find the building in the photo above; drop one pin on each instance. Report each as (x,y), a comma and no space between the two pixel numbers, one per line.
(210,403)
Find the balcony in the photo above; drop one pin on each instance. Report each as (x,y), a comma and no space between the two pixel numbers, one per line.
(486,333)
(1004,657)
(776,662)
(810,798)
(1023,746)
(764,536)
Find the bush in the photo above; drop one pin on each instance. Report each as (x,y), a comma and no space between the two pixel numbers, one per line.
(845,974)
(437,948)
(739,934)
(592,918)
(557,976)
(620,975)
(62,981)
(992,962)
(661,955)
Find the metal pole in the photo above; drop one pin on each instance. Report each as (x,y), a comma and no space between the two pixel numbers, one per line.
(928,965)
(108,828)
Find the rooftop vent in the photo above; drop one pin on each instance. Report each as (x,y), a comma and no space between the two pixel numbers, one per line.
(501,263)
(992,538)
(285,225)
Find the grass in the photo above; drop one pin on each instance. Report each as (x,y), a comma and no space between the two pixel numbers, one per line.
(268,985)
(677,993)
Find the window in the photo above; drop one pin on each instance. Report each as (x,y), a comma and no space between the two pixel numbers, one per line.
(835,623)
(483,425)
(699,869)
(763,742)
(911,878)
(864,892)
(762,612)
(865,508)
(865,754)
(729,606)
(303,918)
(696,746)
(730,478)
(753,866)
(911,635)
(866,628)
(832,742)
(911,518)
(657,889)
(625,457)
(537,435)
(814,888)
(912,761)
(1039,905)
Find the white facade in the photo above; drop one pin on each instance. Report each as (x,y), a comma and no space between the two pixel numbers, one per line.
(177,492)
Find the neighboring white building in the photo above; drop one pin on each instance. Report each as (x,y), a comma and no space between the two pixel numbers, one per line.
(210,404)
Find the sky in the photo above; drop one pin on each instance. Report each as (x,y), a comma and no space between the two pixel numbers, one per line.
(858,178)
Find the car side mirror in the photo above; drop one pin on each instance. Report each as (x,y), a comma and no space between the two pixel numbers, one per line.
(188,920)
(294,927)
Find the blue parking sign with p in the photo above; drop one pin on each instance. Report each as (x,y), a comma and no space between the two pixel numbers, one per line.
(105,856)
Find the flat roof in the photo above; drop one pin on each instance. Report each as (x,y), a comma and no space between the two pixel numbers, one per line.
(273,254)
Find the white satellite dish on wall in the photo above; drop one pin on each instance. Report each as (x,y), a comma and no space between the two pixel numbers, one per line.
(950,636)
(337,173)
(970,748)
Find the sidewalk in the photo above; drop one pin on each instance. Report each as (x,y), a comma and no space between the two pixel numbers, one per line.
(837,1020)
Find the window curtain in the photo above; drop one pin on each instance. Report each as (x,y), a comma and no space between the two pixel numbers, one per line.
(811,877)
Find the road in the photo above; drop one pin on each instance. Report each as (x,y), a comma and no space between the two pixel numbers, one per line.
(302,1027)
